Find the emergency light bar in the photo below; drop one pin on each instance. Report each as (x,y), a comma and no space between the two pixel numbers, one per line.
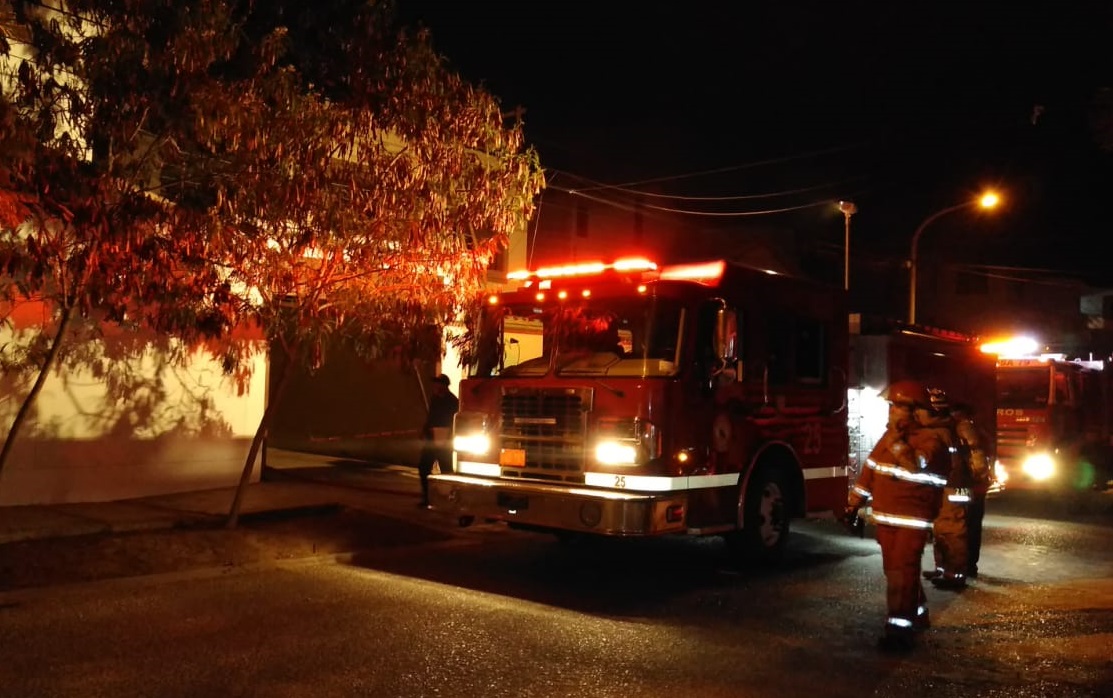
(706,272)
(1011,348)
(583,269)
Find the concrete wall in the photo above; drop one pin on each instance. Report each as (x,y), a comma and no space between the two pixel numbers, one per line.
(353,407)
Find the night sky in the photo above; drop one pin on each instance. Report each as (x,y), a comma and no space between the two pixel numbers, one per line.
(905,108)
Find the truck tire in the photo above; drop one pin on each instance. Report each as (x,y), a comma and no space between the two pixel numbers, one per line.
(766,511)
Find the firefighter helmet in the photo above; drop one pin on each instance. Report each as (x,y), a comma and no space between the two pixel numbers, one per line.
(907,392)
(939,401)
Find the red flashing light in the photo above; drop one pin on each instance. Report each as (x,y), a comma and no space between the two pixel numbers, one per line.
(625,265)
(706,271)
(634,264)
(571,270)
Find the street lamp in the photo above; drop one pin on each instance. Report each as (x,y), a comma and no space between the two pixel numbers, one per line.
(987,200)
(848,209)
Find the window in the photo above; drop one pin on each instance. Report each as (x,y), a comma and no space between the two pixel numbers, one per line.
(498,262)
(1062,389)
(797,351)
(810,354)
(780,350)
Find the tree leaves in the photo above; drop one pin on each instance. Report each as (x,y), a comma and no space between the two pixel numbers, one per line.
(196,166)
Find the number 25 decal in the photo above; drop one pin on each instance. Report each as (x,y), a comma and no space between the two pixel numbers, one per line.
(620,481)
(813,438)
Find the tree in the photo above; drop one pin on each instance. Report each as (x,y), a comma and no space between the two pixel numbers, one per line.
(320,174)
(380,185)
(82,229)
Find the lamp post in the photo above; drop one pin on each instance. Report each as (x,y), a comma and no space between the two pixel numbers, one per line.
(848,209)
(987,201)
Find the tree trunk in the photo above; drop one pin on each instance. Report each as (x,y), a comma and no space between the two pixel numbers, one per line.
(260,437)
(44,371)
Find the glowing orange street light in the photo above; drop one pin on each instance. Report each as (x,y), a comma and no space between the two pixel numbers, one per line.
(987,200)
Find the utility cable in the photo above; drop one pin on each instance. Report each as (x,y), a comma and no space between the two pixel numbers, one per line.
(740,197)
(729,168)
(715,214)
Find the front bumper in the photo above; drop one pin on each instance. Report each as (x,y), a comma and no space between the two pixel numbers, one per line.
(559,507)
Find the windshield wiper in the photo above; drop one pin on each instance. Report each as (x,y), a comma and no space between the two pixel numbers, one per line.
(615,391)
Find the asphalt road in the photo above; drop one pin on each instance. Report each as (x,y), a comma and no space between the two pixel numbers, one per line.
(410,605)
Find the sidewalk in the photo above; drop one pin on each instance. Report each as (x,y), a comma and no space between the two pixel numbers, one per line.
(292,481)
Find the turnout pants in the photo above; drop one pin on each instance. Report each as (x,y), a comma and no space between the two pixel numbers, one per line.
(902,550)
(950,535)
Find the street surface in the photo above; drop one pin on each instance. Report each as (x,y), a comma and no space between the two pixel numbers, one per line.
(487,611)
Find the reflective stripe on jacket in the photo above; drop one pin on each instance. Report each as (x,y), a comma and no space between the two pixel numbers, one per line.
(904,478)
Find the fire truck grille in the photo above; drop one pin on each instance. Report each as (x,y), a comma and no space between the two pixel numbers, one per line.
(551,427)
(1011,442)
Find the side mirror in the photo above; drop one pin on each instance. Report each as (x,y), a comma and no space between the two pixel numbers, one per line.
(726,342)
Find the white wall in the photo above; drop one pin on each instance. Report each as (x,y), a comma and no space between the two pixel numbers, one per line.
(125,421)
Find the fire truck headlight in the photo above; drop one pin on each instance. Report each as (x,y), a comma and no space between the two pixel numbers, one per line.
(473,444)
(626,441)
(616,453)
(1039,467)
(1000,474)
(471,434)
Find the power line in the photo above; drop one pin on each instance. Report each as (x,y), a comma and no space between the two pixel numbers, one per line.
(715,214)
(739,197)
(640,206)
(733,214)
(729,168)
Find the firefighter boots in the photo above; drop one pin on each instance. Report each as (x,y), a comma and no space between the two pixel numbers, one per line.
(949,582)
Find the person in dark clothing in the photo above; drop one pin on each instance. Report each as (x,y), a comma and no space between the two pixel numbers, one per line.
(436,433)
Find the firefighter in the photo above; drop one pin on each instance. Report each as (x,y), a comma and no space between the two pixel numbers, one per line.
(949,530)
(972,447)
(903,479)
(957,530)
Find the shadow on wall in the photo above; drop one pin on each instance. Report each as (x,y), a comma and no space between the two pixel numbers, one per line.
(126,414)
(370,410)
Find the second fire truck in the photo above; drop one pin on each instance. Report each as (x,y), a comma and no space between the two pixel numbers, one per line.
(627,399)
(1054,422)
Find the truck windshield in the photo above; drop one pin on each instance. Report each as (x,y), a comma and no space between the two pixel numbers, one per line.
(1023,388)
(627,337)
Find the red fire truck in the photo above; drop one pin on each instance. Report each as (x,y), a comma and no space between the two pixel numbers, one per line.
(1053,423)
(627,399)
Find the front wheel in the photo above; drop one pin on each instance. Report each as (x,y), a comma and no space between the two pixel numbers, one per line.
(764,510)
